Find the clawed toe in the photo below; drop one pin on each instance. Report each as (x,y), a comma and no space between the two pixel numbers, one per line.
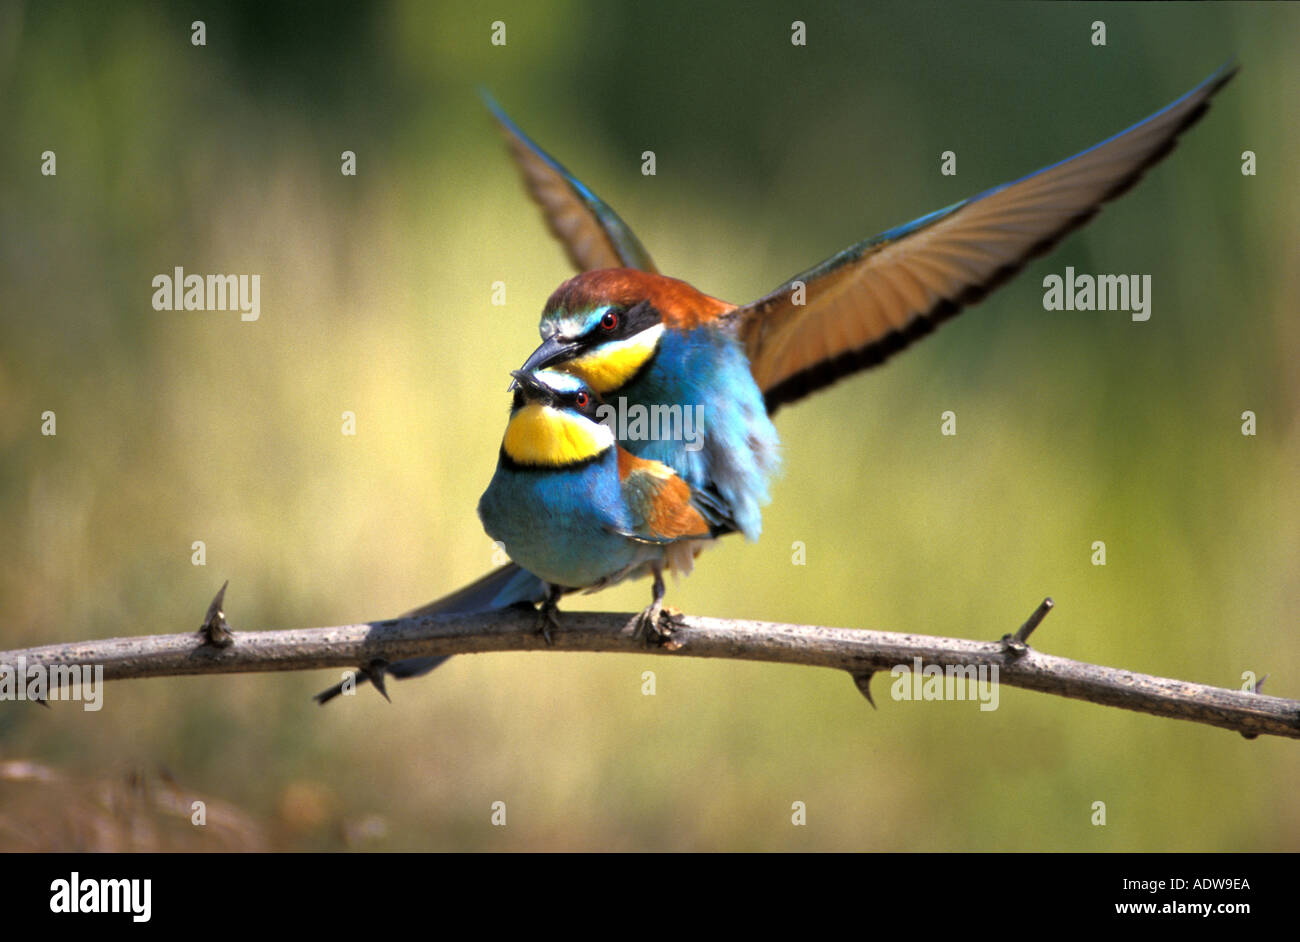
(647,624)
(546,620)
(548,615)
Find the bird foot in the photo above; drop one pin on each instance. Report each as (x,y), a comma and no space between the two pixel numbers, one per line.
(547,618)
(647,624)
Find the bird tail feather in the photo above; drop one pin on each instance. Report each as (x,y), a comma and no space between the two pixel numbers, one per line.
(501,588)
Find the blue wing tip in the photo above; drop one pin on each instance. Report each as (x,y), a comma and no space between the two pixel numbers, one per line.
(500,114)
(492,104)
(1224,72)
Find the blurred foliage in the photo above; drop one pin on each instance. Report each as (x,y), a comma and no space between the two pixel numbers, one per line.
(1073,427)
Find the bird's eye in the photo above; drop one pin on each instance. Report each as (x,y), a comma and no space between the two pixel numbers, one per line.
(609,321)
(582,399)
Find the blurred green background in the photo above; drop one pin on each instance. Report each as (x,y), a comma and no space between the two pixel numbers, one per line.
(1072,427)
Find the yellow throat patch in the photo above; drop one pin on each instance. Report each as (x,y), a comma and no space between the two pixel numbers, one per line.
(611,365)
(541,435)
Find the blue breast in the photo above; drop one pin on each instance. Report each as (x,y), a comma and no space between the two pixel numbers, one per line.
(559,524)
(707,367)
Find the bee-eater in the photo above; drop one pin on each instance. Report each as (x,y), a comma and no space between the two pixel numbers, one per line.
(577,510)
(650,340)
(631,333)
(574,508)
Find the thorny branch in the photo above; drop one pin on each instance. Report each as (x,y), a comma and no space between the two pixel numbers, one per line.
(215,649)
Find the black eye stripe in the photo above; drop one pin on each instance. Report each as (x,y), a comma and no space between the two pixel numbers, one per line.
(631,321)
(641,316)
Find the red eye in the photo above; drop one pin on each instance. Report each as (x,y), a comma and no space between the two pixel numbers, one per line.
(582,399)
(609,321)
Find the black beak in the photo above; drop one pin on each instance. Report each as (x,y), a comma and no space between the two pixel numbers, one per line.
(532,387)
(552,350)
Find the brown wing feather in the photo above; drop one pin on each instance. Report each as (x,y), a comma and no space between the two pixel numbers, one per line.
(659,499)
(585,242)
(591,232)
(875,298)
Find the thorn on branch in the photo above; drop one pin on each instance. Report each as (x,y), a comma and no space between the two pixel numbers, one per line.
(863,681)
(1259,685)
(376,671)
(1016,644)
(215,630)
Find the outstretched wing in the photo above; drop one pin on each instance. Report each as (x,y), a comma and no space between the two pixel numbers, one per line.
(592,234)
(876,297)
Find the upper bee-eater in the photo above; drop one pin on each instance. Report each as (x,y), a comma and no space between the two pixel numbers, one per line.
(635,334)
(631,333)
